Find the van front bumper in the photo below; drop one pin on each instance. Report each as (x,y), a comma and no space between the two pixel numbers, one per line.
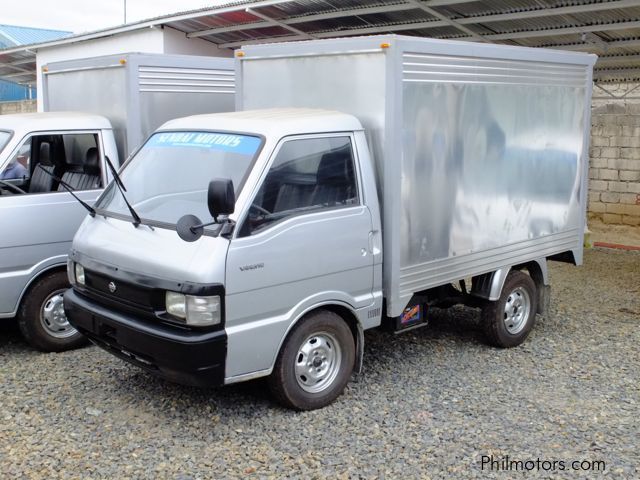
(182,356)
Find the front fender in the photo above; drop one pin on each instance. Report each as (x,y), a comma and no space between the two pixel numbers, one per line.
(253,346)
(15,284)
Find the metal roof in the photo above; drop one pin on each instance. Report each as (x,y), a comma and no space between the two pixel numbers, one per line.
(609,28)
(12,35)
(20,68)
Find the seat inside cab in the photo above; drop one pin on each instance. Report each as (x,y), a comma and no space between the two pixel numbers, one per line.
(47,161)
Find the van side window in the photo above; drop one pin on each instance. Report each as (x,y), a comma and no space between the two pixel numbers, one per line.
(18,167)
(73,157)
(81,167)
(307,176)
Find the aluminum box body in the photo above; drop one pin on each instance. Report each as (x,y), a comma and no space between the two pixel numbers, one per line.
(139,92)
(481,151)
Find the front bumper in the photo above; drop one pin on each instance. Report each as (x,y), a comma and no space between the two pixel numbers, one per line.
(182,356)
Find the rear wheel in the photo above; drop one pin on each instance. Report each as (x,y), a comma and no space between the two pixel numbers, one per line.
(508,321)
(41,318)
(315,363)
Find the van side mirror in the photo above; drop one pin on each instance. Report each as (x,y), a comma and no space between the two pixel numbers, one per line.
(221,198)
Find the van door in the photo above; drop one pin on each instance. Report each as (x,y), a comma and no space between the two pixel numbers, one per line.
(38,219)
(304,242)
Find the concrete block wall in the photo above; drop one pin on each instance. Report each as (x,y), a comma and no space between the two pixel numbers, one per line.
(23,106)
(614,174)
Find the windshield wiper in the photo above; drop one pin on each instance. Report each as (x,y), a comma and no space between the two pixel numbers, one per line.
(69,189)
(116,178)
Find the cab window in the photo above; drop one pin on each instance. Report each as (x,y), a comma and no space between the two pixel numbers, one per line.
(18,166)
(73,158)
(308,175)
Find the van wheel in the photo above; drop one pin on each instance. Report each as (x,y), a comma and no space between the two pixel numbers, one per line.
(508,321)
(41,318)
(315,363)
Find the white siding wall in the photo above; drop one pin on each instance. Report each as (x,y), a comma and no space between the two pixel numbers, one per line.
(176,42)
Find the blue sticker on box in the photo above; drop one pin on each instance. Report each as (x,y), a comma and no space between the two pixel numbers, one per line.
(241,144)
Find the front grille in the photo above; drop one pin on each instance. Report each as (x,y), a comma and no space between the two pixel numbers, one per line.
(137,296)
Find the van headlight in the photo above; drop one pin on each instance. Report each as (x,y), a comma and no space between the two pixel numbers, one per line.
(195,310)
(75,272)
(80,274)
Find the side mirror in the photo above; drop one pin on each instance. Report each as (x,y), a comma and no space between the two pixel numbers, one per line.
(221,198)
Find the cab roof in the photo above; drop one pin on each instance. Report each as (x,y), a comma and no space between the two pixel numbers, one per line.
(270,122)
(52,121)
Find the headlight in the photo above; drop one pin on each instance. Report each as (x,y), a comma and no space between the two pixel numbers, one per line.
(197,311)
(79,271)
(202,311)
(176,304)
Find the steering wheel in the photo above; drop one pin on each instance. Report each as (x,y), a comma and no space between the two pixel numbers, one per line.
(11,186)
(263,211)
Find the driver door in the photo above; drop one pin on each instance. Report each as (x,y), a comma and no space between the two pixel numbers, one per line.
(304,242)
(39,220)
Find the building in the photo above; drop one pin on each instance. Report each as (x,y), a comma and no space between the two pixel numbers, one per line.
(15,36)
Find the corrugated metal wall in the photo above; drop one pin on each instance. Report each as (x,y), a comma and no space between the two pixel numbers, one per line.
(10,92)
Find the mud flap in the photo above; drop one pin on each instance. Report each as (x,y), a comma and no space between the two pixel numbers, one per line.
(544,301)
(357,370)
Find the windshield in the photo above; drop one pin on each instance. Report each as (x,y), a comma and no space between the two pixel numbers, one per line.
(169,176)
(4,138)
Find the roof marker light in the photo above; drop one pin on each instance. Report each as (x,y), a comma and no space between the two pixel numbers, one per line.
(385,45)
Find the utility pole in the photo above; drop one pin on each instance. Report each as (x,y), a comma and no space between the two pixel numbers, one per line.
(125,11)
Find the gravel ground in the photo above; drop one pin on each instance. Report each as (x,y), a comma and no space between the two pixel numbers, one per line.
(430,404)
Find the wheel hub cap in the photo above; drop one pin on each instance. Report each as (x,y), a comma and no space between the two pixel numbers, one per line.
(516,310)
(53,318)
(318,362)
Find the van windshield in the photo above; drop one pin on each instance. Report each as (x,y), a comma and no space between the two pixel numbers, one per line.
(169,176)
(4,138)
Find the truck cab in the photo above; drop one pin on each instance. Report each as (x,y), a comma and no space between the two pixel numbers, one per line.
(301,239)
(38,217)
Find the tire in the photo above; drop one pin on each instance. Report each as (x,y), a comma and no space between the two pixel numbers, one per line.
(508,321)
(41,316)
(315,362)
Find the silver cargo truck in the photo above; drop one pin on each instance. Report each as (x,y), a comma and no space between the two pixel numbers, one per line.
(365,181)
(123,99)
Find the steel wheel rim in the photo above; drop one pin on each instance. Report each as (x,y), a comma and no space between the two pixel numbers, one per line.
(52,316)
(516,310)
(318,362)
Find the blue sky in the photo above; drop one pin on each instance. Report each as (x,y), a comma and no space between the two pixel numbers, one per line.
(82,15)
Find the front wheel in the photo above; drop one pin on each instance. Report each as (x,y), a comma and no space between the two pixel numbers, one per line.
(41,318)
(508,321)
(315,363)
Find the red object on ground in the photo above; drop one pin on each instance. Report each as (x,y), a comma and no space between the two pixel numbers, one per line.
(615,245)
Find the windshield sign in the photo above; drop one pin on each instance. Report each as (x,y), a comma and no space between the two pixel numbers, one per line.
(240,144)
(169,176)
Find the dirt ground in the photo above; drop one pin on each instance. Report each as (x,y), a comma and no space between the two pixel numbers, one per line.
(619,234)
